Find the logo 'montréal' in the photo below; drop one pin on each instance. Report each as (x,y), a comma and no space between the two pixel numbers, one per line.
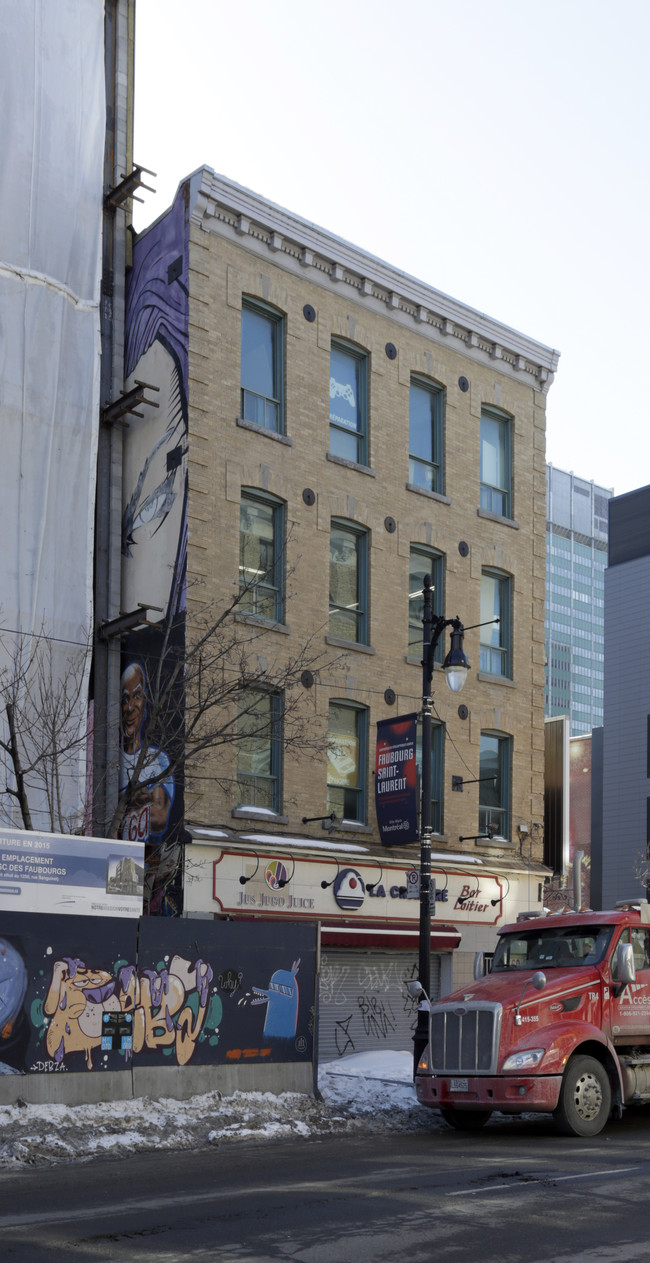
(349,889)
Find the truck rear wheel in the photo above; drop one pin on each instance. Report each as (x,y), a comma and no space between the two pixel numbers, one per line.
(466,1120)
(585,1098)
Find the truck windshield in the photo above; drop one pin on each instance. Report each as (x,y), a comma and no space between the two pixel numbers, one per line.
(554,947)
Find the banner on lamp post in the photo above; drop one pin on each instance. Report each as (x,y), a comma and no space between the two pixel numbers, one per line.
(396,781)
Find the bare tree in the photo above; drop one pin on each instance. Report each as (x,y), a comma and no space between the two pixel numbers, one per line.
(198,691)
(43,736)
(203,693)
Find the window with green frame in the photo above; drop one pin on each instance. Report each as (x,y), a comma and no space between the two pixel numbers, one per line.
(262,365)
(261,570)
(496,490)
(349,403)
(259,750)
(424,561)
(496,656)
(437,782)
(426,411)
(494,785)
(347,758)
(348,609)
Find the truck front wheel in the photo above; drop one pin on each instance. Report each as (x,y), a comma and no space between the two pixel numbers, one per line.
(585,1098)
(466,1120)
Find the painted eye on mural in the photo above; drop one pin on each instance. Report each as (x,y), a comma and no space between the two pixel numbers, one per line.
(157,504)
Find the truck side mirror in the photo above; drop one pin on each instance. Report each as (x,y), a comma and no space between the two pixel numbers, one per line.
(625,967)
(479,965)
(415,989)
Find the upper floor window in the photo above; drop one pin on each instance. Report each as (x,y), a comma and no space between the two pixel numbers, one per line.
(259,750)
(347,757)
(348,613)
(494,786)
(496,494)
(262,331)
(425,435)
(261,531)
(349,403)
(424,561)
(495,637)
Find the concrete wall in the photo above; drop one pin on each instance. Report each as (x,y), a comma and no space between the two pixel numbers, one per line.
(174,1081)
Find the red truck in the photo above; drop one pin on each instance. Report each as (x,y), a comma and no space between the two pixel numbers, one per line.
(560,1025)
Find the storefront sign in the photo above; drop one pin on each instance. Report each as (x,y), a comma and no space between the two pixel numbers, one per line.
(322,889)
(396,780)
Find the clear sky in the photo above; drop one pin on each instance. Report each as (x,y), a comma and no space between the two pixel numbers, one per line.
(495,149)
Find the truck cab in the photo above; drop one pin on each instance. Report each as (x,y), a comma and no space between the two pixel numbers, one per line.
(560,1025)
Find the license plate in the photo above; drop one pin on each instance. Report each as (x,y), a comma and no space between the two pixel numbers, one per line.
(458,1085)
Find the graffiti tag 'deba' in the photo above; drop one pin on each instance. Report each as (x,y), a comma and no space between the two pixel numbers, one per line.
(159,1000)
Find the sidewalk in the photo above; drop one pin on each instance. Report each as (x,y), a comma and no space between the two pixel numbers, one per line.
(368,1092)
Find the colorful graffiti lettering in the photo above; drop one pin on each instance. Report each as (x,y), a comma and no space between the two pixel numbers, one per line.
(169,1006)
(163,1015)
(86,994)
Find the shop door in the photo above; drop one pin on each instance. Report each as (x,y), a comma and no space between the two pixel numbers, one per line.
(364,1005)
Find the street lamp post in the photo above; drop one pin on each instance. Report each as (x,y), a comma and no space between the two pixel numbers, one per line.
(455,667)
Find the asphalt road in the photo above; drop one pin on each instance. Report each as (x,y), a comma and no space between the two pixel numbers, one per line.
(515,1193)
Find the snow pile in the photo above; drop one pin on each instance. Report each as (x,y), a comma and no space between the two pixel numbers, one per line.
(366,1092)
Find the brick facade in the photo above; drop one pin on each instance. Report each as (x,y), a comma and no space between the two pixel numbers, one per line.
(242,246)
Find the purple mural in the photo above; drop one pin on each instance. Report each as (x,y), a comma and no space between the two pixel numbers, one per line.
(154,548)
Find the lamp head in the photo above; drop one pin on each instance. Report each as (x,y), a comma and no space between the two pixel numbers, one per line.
(455,665)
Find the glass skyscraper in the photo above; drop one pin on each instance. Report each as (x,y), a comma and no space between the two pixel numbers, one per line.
(576,557)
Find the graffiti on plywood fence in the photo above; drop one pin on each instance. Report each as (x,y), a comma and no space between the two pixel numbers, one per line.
(78,994)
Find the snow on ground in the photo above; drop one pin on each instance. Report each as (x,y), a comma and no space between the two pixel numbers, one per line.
(367,1092)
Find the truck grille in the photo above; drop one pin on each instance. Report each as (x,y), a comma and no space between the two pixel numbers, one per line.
(465,1038)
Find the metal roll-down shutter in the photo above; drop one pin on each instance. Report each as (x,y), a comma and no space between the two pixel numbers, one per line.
(363,1003)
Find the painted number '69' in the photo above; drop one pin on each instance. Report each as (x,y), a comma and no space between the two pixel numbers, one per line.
(136,826)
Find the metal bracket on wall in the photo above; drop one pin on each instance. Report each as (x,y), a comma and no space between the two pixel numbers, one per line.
(114,413)
(126,188)
(124,623)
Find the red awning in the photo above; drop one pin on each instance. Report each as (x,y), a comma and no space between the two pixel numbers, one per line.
(444,938)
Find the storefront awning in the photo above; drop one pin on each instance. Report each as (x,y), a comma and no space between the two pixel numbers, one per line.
(444,938)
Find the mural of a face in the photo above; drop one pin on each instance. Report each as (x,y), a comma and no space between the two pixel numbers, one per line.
(155,462)
(133,706)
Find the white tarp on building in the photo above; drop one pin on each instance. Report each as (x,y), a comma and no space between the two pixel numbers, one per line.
(52,105)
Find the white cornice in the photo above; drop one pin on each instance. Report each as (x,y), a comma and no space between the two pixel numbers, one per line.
(225,207)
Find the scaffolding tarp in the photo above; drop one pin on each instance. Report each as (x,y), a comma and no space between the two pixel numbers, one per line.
(52,103)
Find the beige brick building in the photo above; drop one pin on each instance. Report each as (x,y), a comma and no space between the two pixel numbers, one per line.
(350,428)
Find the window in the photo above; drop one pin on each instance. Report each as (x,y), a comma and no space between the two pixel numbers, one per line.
(424,561)
(425,435)
(437,746)
(348,582)
(261,532)
(262,331)
(495,462)
(349,403)
(640,940)
(259,750)
(495,637)
(494,786)
(347,742)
